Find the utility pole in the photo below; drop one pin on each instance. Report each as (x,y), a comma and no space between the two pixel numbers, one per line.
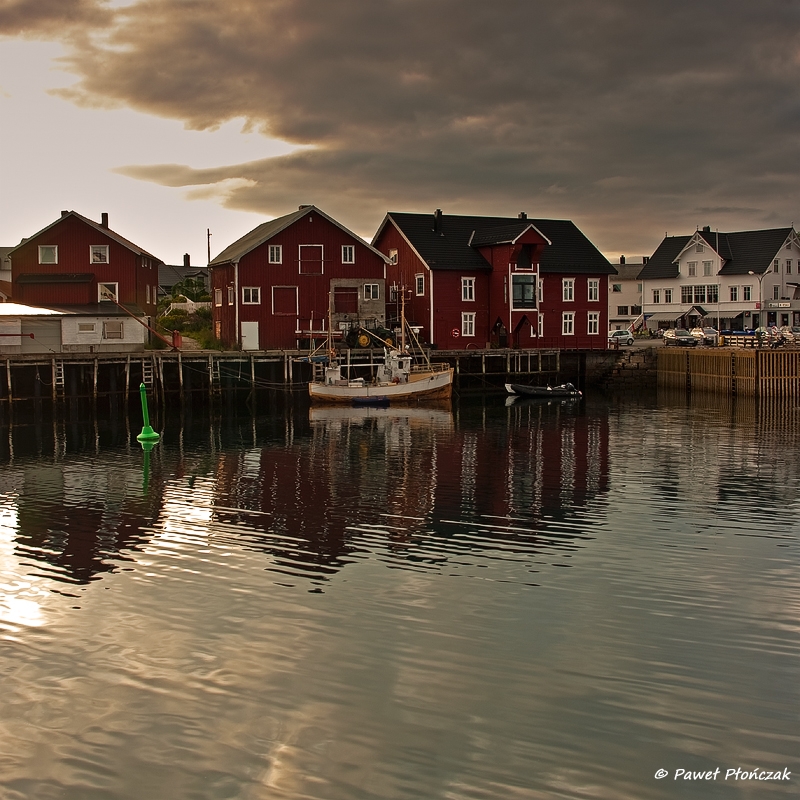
(208,238)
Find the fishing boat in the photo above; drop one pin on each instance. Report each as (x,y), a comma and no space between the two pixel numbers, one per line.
(544,392)
(397,381)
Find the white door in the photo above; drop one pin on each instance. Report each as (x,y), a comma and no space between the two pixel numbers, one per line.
(249,336)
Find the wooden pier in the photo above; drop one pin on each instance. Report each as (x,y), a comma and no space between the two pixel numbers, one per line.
(737,372)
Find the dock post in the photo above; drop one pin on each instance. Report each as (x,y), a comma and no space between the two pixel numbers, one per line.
(53,379)
(8,380)
(180,374)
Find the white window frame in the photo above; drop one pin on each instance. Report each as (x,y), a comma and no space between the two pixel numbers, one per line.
(147,293)
(98,248)
(276,254)
(540,290)
(231,295)
(86,327)
(734,294)
(105,287)
(747,294)
(468,290)
(568,290)
(699,248)
(776,292)
(419,284)
(593,290)
(568,323)
(776,265)
(788,266)
(114,329)
(468,323)
(667,296)
(251,295)
(372,291)
(54,248)
(540,324)
(656,297)
(218,297)
(393,256)
(593,323)
(348,254)
(708,267)
(321,259)
(692,269)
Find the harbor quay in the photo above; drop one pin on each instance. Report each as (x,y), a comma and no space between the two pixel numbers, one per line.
(207,376)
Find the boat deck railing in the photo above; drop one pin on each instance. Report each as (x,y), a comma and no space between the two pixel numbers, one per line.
(433,367)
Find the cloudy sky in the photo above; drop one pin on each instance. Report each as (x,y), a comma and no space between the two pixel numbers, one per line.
(631,117)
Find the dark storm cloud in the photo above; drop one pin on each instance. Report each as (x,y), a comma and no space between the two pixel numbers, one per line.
(630,116)
(48,17)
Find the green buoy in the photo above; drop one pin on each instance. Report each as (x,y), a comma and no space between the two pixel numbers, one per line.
(148,435)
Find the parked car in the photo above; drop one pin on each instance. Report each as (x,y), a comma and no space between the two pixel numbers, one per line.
(617,338)
(706,335)
(679,337)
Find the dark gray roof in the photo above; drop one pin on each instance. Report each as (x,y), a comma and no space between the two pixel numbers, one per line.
(449,247)
(170,274)
(742,252)
(97,226)
(267,230)
(56,277)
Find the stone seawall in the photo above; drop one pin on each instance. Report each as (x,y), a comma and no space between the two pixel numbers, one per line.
(629,369)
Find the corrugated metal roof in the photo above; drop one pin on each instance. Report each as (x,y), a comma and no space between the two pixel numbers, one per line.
(449,247)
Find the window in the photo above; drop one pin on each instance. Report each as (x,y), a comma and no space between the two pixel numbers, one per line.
(98,254)
(776,265)
(48,254)
(636,310)
(776,292)
(567,323)
(622,311)
(699,294)
(86,327)
(593,326)
(251,295)
(788,266)
(217,329)
(468,324)
(147,294)
(468,289)
(747,293)
(568,289)
(348,254)
(734,294)
(686,294)
(712,293)
(699,248)
(639,288)
(372,291)
(667,295)
(107,292)
(218,297)
(617,287)
(231,295)
(276,254)
(522,291)
(540,289)
(540,324)
(113,329)
(692,269)
(420,284)
(593,286)
(393,256)
(707,266)
(656,296)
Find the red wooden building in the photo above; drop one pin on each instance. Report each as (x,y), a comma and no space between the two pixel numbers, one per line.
(496,281)
(272,289)
(77,262)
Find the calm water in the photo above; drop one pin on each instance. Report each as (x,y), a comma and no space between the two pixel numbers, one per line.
(535,601)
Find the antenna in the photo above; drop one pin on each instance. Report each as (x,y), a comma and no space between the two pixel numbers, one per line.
(208,237)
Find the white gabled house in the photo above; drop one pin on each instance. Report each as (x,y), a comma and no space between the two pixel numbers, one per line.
(732,281)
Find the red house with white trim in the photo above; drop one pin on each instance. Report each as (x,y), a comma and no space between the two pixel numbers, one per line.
(77,262)
(281,285)
(496,281)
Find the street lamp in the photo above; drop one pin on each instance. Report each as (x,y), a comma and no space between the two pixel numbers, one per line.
(762,316)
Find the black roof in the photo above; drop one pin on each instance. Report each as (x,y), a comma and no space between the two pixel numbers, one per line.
(170,274)
(449,247)
(741,251)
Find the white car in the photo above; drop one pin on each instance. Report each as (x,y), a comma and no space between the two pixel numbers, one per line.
(617,338)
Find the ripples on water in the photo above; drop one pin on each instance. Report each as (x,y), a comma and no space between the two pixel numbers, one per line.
(530,601)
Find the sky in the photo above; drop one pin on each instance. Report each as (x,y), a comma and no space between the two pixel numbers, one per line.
(634,118)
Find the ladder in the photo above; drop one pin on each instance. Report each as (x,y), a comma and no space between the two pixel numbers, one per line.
(147,372)
(58,374)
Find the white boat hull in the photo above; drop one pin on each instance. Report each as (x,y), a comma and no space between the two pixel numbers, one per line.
(423,386)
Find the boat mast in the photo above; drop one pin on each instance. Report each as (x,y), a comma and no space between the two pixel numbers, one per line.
(403,320)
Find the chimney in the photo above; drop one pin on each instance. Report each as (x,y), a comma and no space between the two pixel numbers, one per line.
(622,259)
(64,213)
(186,260)
(706,229)
(437,219)
(104,219)
(522,215)
(304,207)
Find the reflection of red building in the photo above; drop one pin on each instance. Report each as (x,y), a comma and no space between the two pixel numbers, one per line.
(483,281)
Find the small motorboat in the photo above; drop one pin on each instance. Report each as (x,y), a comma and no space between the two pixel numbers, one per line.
(544,392)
